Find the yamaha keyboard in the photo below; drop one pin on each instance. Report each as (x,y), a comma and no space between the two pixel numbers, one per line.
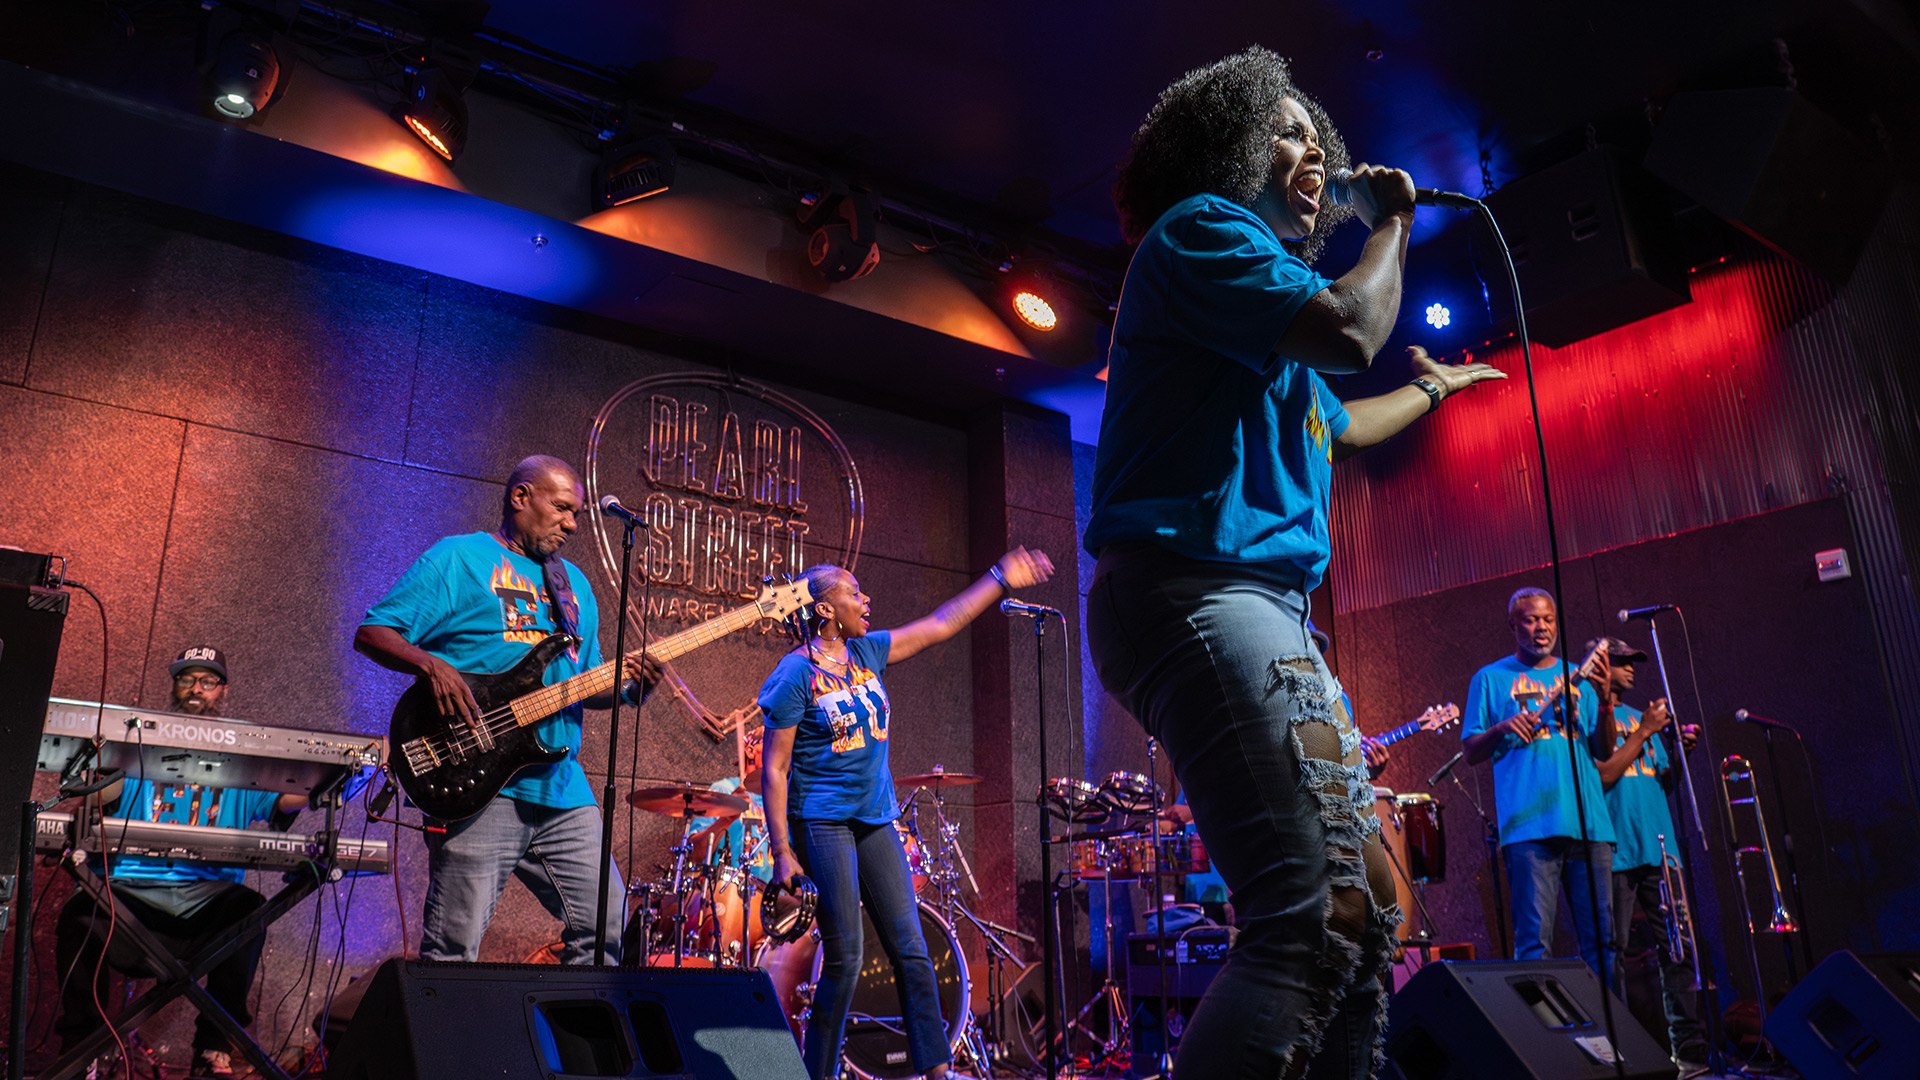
(255,849)
(177,748)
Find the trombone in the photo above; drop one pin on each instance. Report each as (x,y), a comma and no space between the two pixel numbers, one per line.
(1742,798)
(1682,947)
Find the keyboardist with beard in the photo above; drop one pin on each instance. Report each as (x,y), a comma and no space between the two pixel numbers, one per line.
(181,902)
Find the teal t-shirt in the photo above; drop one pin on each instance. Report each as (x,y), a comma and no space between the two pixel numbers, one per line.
(186,804)
(478,605)
(1638,800)
(840,770)
(1532,790)
(1211,444)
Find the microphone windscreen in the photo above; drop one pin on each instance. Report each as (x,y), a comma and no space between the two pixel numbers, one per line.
(1340,186)
(1624,616)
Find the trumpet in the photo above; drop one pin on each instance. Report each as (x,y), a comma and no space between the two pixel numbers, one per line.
(1681,945)
(1737,789)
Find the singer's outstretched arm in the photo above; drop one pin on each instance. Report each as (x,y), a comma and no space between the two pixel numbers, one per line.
(1019,568)
(1374,420)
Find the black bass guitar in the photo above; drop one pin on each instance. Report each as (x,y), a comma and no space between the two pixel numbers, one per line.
(450,771)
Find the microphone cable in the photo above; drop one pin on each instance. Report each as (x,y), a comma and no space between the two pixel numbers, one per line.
(1602,934)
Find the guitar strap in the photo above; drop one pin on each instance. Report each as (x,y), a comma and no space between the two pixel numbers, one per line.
(566,607)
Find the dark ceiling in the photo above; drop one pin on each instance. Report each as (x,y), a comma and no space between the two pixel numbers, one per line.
(1025,108)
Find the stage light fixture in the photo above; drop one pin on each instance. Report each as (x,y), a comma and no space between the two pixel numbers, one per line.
(1035,296)
(434,110)
(637,170)
(844,241)
(1034,310)
(1438,316)
(239,67)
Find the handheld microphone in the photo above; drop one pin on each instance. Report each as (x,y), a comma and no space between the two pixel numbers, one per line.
(1629,614)
(1031,611)
(1445,769)
(1745,717)
(1340,193)
(610,506)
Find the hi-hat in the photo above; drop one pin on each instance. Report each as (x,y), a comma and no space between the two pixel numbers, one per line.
(686,800)
(939,778)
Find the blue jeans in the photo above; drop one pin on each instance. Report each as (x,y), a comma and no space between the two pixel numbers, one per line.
(1640,888)
(1215,662)
(1536,868)
(554,853)
(852,862)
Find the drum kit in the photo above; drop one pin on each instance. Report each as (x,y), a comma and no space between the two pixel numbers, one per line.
(711,906)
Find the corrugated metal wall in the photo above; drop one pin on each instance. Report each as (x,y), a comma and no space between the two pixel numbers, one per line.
(1770,389)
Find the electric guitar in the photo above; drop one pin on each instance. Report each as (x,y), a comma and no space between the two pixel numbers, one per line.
(1436,718)
(451,772)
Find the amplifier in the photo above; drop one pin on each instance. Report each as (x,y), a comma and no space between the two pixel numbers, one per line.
(1194,957)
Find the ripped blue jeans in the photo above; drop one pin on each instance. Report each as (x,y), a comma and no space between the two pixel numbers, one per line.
(1214,661)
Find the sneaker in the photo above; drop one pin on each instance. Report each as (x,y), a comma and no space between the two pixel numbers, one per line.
(211,1063)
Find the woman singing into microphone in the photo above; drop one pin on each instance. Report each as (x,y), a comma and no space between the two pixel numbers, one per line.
(830,801)
(1210,522)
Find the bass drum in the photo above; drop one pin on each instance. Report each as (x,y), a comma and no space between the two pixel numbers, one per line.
(876,1045)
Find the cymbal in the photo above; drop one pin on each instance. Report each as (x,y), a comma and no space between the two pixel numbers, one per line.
(940,778)
(686,800)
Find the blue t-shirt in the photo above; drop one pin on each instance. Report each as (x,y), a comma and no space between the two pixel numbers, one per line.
(478,605)
(186,804)
(1211,445)
(840,770)
(1531,787)
(1638,800)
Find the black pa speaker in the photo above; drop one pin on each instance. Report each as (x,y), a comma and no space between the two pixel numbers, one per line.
(1853,1018)
(1514,1020)
(428,1021)
(1784,172)
(32,619)
(1593,244)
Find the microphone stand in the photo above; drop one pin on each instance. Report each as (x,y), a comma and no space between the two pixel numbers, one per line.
(1490,834)
(613,743)
(1704,990)
(1786,842)
(1050,962)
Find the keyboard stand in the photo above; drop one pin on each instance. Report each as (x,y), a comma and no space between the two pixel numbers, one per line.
(180,976)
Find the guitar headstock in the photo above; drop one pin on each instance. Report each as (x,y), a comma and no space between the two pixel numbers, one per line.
(777,601)
(1440,717)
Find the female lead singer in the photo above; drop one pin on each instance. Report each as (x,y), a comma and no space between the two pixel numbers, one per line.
(830,801)
(1210,523)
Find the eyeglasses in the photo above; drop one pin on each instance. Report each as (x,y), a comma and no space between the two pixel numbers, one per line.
(205,682)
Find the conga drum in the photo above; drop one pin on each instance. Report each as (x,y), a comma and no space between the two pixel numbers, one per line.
(1386,809)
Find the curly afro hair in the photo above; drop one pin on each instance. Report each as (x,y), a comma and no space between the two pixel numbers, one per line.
(1212,131)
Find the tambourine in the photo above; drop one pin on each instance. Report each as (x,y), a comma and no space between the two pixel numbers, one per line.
(786,912)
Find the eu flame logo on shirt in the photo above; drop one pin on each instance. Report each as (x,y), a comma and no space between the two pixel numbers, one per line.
(520,601)
(1317,424)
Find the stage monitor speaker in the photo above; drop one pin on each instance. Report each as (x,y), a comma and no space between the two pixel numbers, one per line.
(1514,1020)
(1776,167)
(1853,1017)
(1593,244)
(427,1021)
(32,619)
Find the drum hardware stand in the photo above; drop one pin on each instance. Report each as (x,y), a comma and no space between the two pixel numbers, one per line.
(1119,1023)
(1424,938)
(946,860)
(1165,1064)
